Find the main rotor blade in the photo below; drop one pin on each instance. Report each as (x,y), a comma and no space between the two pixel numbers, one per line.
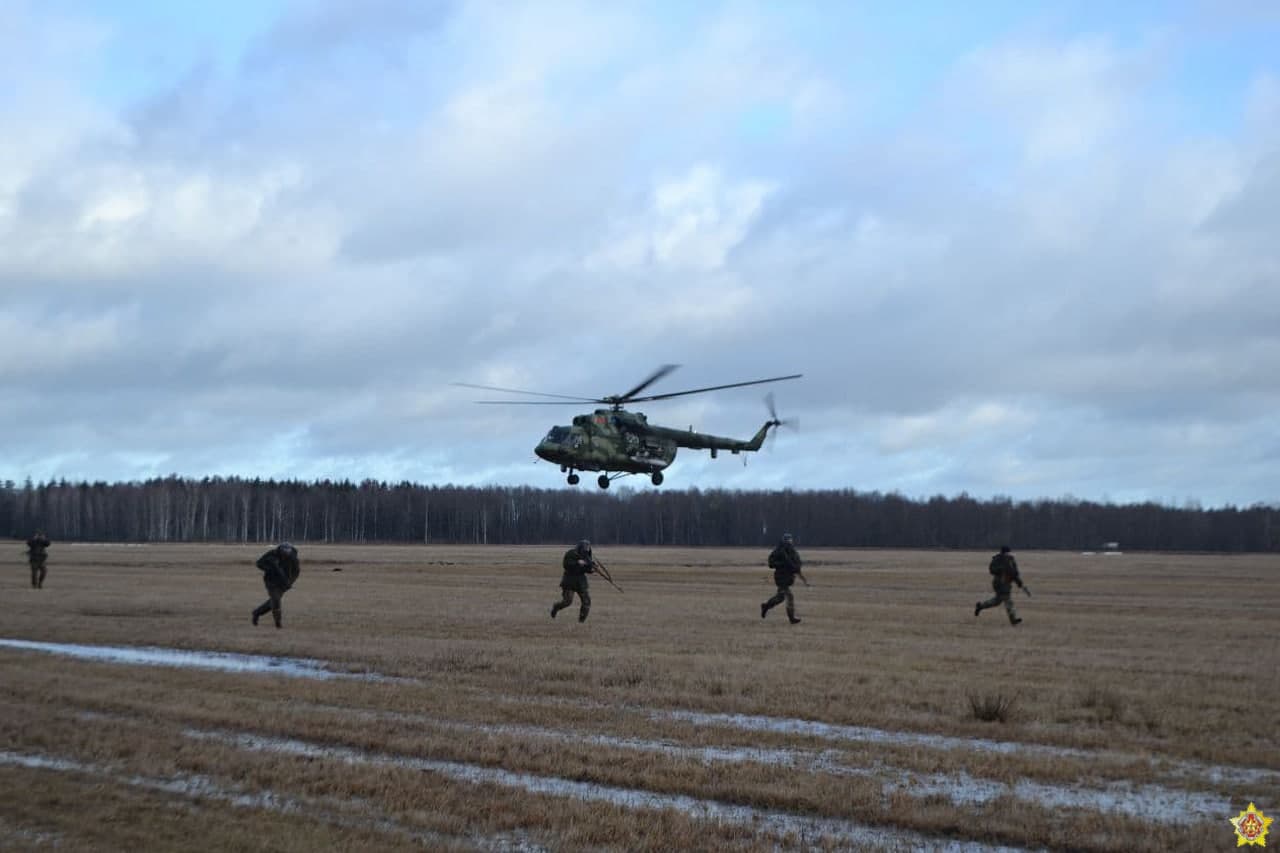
(532,402)
(713,388)
(531,393)
(654,377)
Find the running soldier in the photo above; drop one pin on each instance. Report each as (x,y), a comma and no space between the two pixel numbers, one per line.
(280,570)
(37,553)
(577,565)
(785,562)
(1004,574)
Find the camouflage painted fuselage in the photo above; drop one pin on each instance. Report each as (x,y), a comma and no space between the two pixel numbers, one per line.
(618,440)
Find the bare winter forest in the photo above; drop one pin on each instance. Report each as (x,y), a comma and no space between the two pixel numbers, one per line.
(236,510)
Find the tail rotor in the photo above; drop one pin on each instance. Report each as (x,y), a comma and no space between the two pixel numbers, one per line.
(775,421)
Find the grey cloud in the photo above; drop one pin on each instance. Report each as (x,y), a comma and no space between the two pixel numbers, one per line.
(316,30)
(1253,210)
(188,103)
(914,273)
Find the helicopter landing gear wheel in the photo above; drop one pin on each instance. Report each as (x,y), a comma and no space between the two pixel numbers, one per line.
(603,481)
(573,479)
(656,478)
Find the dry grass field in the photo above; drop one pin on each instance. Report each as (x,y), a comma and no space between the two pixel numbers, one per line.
(444,709)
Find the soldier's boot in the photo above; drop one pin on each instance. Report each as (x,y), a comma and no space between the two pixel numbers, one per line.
(977,608)
(555,608)
(1017,620)
(792,617)
(259,610)
(582,613)
(764,609)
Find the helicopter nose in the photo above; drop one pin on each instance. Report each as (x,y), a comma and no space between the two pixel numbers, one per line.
(545,450)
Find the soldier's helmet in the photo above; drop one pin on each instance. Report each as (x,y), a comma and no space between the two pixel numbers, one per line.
(788,538)
(287,550)
(1004,549)
(584,546)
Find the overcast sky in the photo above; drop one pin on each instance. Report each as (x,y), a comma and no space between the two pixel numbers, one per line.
(1025,249)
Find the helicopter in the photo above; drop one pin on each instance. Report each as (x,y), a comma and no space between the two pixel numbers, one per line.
(618,443)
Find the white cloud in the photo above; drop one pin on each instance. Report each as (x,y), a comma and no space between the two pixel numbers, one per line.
(692,222)
(1065,99)
(699,219)
(952,425)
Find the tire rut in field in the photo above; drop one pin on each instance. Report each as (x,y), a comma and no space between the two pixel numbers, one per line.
(1145,801)
(203,787)
(1218,774)
(961,789)
(233,662)
(777,824)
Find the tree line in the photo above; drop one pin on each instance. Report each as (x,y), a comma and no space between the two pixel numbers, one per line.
(175,509)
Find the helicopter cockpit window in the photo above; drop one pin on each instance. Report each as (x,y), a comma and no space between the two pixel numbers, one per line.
(558,435)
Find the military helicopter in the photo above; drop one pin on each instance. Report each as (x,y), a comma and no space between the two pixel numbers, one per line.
(618,443)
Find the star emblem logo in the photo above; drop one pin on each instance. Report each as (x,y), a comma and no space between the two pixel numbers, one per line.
(1251,827)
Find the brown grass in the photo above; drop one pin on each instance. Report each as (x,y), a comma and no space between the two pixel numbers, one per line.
(992,707)
(1125,657)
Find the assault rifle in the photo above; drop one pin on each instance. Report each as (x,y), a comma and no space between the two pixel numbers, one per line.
(769,578)
(604,573)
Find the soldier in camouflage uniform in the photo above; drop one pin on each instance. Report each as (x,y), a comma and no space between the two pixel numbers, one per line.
(785,562)
(1004,574)
(37,553)
(577,565)
(280,570)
